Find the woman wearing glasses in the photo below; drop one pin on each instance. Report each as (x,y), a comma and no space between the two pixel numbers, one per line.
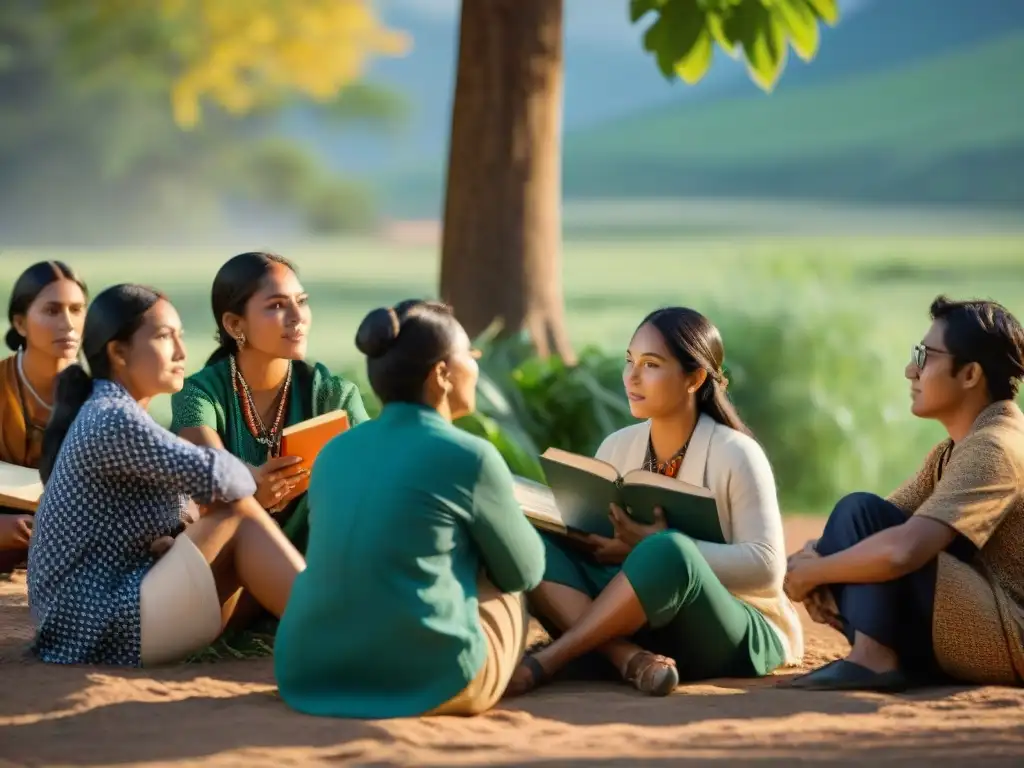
(928,585)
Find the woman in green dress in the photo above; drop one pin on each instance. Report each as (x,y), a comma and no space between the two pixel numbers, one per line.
(257,382)
(411,602)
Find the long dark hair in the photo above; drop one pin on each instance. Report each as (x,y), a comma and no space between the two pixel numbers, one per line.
(114,315)
(402,343)
(237,282)
(27,289)
(696,343)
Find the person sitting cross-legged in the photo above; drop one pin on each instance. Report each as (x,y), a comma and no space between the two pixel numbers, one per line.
(928,584)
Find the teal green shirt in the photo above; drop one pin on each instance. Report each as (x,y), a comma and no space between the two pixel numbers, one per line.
(405,512)
(208,400)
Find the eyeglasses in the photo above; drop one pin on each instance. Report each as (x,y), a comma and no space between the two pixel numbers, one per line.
(919,354)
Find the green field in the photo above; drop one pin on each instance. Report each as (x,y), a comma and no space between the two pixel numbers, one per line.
(885,282)
(609,286)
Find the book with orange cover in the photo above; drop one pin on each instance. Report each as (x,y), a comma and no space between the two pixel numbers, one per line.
(20,487)
(306,438)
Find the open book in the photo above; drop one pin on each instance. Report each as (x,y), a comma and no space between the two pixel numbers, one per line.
(581,490)
(20,487)
(308,437)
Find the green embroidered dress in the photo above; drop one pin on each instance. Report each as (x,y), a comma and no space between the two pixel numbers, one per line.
(208,400)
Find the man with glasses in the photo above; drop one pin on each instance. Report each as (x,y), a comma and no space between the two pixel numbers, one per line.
(928,585)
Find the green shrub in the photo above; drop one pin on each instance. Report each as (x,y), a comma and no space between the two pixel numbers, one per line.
(832,414)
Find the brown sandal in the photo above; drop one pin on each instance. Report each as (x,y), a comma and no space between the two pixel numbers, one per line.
(651,674)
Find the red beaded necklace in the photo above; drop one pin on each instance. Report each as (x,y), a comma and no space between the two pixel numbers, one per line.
(668,468)
(269,437)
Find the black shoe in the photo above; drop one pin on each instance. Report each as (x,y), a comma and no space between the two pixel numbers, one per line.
(845,675)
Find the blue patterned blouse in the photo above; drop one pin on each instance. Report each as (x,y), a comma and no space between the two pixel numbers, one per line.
(120,482)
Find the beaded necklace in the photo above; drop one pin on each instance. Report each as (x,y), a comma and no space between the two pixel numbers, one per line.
(668,468)
(26,384)
(34,430)
(268,437)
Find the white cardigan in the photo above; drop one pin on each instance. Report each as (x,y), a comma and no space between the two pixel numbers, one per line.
(733,466)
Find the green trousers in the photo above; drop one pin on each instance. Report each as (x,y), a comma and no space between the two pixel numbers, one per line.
(691,617)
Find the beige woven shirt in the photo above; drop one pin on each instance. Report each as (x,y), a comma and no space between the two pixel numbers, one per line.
(977,488)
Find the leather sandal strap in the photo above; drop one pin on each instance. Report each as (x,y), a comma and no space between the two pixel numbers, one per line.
(642,672)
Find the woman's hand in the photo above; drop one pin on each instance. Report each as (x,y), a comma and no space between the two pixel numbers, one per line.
(15,531)
(607,551)
(277,482)
(630,532)
(800,579)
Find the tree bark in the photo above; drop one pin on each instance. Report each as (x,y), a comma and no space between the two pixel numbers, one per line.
(501,254)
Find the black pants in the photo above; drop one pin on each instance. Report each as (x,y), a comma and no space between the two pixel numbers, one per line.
(898,613)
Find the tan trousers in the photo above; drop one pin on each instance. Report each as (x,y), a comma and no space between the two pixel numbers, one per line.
(179,605)
(504,620)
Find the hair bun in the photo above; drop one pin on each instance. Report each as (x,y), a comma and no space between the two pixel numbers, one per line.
(13,339)
(378,332)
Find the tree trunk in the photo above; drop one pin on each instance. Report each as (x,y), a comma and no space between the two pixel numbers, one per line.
(501,256)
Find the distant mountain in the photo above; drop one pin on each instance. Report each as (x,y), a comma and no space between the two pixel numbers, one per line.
(888,65)
(949,129)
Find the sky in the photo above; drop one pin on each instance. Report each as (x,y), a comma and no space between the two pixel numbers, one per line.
(604,22)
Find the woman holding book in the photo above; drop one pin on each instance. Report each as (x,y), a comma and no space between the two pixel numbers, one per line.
(256,383)
(115,576)
(661,606)
(46,313)
(411,601)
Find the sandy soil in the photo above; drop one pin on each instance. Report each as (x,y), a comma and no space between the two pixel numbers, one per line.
(229,714)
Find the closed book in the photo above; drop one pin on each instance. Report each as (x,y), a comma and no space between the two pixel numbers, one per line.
(581,490)
(20,487)
(308,437)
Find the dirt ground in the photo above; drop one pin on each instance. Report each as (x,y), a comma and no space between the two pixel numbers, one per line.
(229,714)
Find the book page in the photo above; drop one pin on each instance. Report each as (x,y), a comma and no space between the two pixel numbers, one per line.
(585,463)
(538,504)
(643,477)
(20,487)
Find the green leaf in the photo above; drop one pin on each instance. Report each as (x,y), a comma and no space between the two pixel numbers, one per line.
(640,8)
(673,37)
(717,28)
(492,399)
(654,42)
(763,40)
(521,459)
(826,9)
(800,21)
(694,65)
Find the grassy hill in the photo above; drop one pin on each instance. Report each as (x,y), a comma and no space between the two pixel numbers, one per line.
(948,129)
